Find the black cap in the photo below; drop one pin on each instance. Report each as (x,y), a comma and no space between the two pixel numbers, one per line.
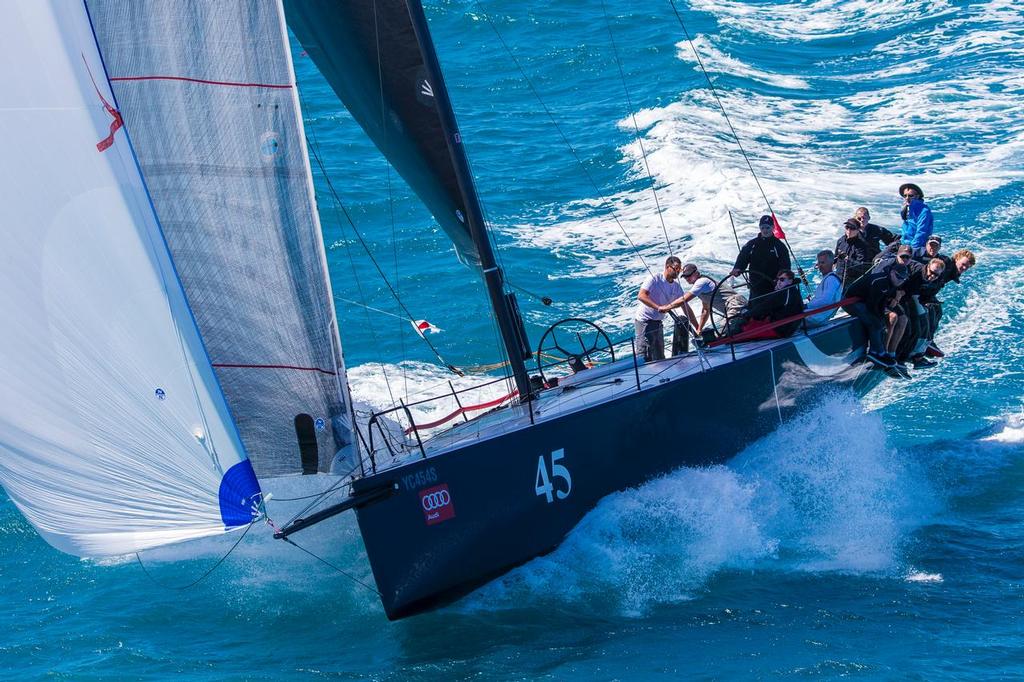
(909,185)
(688,270)
(765,221)
(851,224)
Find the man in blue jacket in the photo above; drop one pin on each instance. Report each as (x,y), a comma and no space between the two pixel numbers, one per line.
(917,218)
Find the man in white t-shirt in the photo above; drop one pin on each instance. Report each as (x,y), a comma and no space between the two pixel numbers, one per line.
(829,291)
(724,300)
(657,290)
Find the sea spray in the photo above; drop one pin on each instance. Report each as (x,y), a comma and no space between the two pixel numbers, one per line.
(825,492)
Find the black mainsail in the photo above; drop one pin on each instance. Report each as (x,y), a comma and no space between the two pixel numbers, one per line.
(379,58)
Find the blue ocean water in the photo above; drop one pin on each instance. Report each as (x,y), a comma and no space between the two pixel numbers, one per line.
(879,538)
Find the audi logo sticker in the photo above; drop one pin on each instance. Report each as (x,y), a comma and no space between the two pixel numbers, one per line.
(437,504)
(436,500)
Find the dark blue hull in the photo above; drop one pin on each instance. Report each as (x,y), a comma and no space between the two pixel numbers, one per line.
(463,517)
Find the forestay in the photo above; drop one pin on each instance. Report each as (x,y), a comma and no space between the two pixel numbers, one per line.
(370,54)
(207,91)
(114,436)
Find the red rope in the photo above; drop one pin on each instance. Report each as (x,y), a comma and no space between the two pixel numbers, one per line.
(104,144)
(761,329)
(461,410)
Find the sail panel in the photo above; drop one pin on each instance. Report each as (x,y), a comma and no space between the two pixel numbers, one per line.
(208,92)
(114,435)
(369,54)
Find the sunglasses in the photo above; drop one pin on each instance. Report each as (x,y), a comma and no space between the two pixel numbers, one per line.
(905,256)
(933,273)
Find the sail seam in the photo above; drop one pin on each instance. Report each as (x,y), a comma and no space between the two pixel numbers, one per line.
(203,81)
(295,367)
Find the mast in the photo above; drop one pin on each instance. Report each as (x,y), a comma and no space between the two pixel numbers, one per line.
(508,318)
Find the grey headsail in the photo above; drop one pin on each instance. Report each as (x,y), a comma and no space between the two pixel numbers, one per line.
(213,115)
(369,53)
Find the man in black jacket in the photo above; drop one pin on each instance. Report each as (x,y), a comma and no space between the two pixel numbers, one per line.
(923,277)
(763,256)
(873,234)
(853,254)
(875,291)
(785,302)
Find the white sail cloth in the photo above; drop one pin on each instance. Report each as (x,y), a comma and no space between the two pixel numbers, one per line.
(114,434)
(207,91)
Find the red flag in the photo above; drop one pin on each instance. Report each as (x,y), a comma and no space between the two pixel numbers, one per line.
(776,228)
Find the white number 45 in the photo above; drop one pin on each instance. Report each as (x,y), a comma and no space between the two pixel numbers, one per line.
(544,486)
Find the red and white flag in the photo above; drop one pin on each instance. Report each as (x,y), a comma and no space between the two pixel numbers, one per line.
(422,326)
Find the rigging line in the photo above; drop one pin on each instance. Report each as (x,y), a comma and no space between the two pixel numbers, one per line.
(380,271)
(370,307)
(546,300)
(306,497)
(735,135)
(394,248)
(391,197)
(204,575)
(314,145)
(323,495)
(739,248)
(328,563)
(604,199)
(636,128)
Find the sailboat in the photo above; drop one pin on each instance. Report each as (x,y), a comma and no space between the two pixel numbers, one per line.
(171,337)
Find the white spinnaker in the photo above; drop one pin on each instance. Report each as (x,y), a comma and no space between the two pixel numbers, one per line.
(114,435)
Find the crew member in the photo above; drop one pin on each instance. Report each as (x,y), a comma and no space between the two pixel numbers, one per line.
(785,302)
(917,218)
(896,317)
(724,300)
(923,277)
(657,290)
(875,290)
(962,261)
(873,234)
(763,257)
(829,290)
(853,254)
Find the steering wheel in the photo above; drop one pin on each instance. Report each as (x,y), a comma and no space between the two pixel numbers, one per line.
(575,342)
(718,320)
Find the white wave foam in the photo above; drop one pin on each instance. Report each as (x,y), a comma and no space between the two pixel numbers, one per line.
(802,21)
(714,60)
(817,159)
(1011,431)
(921,577)
(413,381)
(825,493)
